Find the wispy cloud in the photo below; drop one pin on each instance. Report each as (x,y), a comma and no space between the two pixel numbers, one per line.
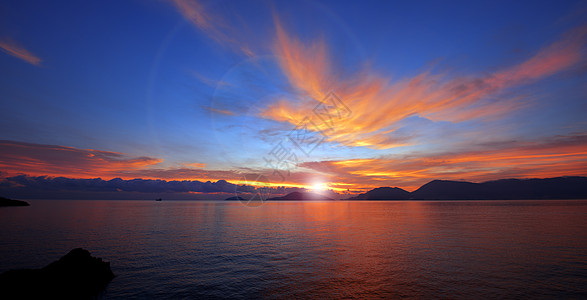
(193,11)
(196,165)
(219,111)
(210,82)
(13,48)
(378,104)
(214,26)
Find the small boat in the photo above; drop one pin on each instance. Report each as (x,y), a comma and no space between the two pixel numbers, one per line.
(158,199)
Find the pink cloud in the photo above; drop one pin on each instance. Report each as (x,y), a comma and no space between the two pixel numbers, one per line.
(13,48)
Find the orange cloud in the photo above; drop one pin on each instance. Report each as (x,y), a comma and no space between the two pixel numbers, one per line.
(306,67)
(11,47)
(558,156)
(196,165)
(59,161)
(37,159)
(379,104)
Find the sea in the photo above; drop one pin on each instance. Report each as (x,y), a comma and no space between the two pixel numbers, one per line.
(309,250)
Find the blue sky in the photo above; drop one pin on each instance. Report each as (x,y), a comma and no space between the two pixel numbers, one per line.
(206,89)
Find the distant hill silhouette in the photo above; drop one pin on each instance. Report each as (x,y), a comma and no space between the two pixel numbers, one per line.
(301,196)
(384,193)
(445,189)
(505,189)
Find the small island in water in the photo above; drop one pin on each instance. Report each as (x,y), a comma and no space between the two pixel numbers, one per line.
(301,196)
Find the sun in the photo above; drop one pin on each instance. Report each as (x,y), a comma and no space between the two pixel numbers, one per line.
(319,187)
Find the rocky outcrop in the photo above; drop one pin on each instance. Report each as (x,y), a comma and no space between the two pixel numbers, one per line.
(10,202)
(77,275)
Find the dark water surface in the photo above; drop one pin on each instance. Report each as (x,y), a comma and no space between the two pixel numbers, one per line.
(171,249)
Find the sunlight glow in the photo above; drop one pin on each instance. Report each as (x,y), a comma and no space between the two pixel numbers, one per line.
(319,187)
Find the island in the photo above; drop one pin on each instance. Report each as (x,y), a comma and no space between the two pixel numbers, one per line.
(77,275)
(11,202)
(301,196)
(383,193)
(235,198)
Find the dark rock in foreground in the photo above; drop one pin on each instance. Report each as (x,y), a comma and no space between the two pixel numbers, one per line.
(10,202)
(77,275)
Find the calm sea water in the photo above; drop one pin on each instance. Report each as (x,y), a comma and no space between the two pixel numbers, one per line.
(175,249)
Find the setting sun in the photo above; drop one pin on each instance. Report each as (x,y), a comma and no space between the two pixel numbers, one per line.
(319,187)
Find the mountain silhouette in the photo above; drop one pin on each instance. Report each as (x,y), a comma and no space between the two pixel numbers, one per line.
(301,196)
(571,187)
(383,193)
(235,198)
(446,189)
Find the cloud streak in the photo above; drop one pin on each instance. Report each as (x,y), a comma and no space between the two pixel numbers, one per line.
(38,159)
(556,156)
(13,48)
(213,25)
(379,104)
(61,161)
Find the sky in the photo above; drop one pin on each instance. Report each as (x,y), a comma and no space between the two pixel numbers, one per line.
(204,97)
